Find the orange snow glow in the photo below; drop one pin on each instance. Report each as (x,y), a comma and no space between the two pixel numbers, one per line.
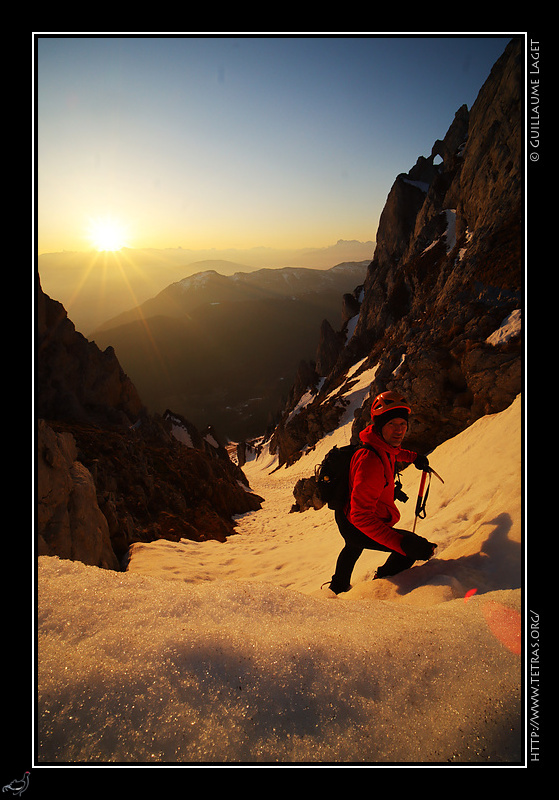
(505,624)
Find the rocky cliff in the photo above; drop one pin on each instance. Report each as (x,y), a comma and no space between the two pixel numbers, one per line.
(108,474)
(446,272)
(75,380)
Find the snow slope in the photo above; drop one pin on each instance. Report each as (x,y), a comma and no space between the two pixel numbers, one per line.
(231,653)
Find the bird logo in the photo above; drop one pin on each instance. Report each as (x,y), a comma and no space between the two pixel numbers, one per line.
(17,787)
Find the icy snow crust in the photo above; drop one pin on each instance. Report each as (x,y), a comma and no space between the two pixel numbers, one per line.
(231,653)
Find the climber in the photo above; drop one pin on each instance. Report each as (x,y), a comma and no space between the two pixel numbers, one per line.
(368,519)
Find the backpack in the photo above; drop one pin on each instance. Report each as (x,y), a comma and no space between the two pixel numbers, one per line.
(332,475)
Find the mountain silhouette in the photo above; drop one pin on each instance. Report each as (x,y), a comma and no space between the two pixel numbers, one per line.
(224,350)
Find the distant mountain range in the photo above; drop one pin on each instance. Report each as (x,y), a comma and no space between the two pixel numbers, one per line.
(94,287)
(222,282)
(224,349)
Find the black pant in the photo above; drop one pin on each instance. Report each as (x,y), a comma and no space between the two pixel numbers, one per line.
(355,542)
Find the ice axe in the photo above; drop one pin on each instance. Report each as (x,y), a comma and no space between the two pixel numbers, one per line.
(423,494)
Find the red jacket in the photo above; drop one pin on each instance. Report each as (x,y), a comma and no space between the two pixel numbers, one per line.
(371,505)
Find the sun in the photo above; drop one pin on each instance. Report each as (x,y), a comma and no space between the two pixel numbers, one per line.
(107,233)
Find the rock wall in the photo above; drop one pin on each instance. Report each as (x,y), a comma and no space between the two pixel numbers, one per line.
(70,522)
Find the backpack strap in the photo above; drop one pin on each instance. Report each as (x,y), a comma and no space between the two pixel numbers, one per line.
(364,446)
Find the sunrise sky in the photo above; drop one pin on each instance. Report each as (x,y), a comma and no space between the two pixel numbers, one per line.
(238,141)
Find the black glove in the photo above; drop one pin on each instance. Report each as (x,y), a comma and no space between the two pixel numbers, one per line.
(421,462)
(417,547)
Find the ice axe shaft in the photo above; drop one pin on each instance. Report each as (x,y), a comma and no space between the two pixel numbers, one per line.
(423,494)
(420,502)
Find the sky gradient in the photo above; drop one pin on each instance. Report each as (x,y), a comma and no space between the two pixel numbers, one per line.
(197,142)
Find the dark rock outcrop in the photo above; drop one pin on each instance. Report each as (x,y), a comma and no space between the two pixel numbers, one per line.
(330,345)
(75,379)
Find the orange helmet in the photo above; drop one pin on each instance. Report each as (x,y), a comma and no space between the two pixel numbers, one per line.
(388,401)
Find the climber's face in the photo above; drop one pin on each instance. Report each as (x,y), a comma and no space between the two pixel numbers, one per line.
(394,431)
